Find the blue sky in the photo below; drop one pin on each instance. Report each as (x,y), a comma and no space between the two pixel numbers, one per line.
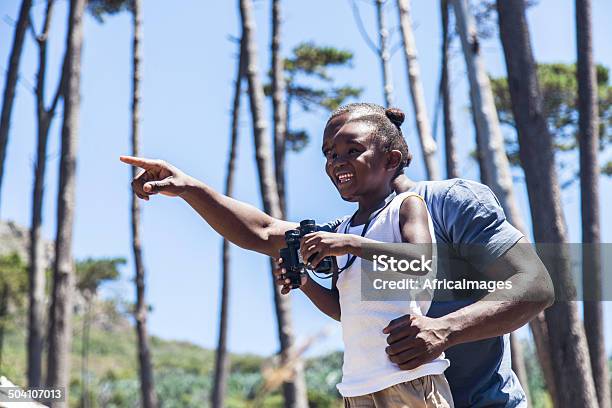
(189,64)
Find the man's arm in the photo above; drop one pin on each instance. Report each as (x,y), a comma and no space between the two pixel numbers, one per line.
(240,223)
(504,311)
(416,340)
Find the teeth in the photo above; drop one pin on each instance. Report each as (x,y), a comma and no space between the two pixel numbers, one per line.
(345,177)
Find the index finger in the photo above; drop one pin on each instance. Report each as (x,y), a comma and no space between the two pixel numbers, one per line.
(141,162)
(398,322)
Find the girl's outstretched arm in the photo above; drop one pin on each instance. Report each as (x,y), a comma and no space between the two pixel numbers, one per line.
(238,222)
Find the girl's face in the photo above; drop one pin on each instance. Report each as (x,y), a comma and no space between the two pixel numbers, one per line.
(354,162)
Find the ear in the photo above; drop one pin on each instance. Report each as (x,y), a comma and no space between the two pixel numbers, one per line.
(394,159)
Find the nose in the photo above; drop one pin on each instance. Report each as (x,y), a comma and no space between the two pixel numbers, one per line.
(339,161)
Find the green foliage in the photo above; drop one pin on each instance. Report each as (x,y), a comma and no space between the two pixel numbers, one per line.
(91,273)
(13,279)
(183,371)
(537,389)
(559,88)
(310,85)
(102,8)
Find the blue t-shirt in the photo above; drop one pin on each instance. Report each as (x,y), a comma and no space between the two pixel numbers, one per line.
(466,212)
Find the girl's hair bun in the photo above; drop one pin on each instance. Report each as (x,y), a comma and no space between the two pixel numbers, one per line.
(395,115)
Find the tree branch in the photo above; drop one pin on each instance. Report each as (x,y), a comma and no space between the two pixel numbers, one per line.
(361,27)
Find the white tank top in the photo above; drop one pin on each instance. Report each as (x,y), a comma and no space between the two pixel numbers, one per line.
(367,367)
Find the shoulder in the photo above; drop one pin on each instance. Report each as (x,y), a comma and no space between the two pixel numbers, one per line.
(412,206)
(456,189)
(414,219)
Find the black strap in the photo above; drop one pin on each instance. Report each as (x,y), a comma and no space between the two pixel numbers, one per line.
(372,216)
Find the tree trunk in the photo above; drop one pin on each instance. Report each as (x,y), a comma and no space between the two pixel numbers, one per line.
(518,364)
(147,385)
(492,159)
(383,52)
(452,166)
(279,106)
(60,332)
(294,389)
(566,334)
(428,145)
(11,81)
(491,143)
(85,394)
(222,359)
(36,290)
(542,346)
(3,312)
(588,139)
(297,390)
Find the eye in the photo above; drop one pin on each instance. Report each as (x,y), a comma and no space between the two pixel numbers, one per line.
(352,150)
(329,154)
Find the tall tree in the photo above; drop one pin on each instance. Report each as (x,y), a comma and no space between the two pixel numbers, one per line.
(428,145)
(44,116)
(566,334)
(90,274)
(383,52)
(493,162)
(279,104)
(452,167)
(12,75)
(293,389)
(559,88)
(221,357)
(147,384)
(589,194)
(60,331)
(490,140)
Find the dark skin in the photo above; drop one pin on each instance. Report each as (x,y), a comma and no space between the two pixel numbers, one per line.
(250,228)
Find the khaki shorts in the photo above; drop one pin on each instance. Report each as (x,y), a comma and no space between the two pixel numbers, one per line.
(431,391)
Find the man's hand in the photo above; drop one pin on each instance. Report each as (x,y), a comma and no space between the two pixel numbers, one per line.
(157,177)
(279,273)
(415,340)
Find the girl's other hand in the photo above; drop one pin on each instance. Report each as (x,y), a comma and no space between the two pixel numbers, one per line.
(320,244)
(279,273)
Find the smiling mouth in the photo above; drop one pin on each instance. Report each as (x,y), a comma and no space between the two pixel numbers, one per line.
(344,177)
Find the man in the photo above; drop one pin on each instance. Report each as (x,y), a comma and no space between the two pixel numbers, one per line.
(473,334)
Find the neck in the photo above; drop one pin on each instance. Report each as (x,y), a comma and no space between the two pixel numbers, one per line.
(373,201)
(402,184)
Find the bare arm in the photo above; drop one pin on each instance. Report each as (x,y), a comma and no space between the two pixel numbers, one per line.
(505,311)
(415,340)
(326,300)
(238,222)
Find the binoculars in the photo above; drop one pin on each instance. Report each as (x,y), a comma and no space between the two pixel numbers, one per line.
(292,259)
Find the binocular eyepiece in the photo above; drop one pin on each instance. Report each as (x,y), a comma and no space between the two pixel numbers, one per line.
(292,259)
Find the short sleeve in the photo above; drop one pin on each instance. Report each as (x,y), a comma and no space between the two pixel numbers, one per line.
(333,225)
(476,223)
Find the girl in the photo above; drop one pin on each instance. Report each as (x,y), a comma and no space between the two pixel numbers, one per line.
(363,155)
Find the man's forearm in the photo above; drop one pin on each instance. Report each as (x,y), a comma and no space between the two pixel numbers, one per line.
(504,311)
(486,319)
(240,223)
(326,300)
